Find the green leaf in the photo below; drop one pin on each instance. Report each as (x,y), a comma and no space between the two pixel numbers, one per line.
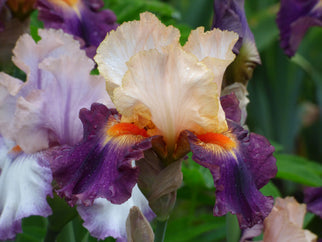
(270,190)
(299,170)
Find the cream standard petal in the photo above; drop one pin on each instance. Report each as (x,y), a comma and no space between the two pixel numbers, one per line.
(174,90)
(214,48)
(129,38)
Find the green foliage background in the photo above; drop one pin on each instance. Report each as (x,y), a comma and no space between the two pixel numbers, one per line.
(279,91)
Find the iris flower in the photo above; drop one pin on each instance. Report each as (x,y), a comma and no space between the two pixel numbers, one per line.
(82,18)
(294,18)
(39,115)
(167,100)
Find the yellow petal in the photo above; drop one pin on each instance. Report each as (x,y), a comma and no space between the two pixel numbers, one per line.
(129,38)
(174,90)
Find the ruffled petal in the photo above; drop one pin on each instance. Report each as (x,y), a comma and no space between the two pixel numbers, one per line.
(101,165)
(44,110)
(173,90)
(214,48)
(96,216)
(236,186)
(83,19)
(25,182)
(294,18)
(313,199)
(285,222)
(130,38)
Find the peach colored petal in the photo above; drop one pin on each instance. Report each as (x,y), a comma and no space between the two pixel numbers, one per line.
(174,90)
(214,48)
(285,222)
(129,38)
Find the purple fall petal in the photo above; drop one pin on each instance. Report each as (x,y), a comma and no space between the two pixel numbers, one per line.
(257,153)
(294,18)
(100,165)
(84,20)
(313,200)
(236,185)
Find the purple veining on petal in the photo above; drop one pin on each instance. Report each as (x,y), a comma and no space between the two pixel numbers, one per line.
(294,18)
(236,186)
(313,200)
(230,15)
(230,105)
(88,22)
(25,183)
(99,166)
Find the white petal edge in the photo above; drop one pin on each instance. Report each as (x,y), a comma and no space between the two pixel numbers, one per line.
(104,219)
(25,183)
(127,40)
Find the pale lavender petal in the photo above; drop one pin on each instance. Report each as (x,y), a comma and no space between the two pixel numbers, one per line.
(25,183)
(100,165)
(313,200)
(104,219)
(48,103)
(294,18)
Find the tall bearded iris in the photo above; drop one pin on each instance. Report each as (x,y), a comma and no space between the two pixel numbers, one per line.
(167,102)
(38,116)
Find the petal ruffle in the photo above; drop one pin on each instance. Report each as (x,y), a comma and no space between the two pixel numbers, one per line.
(100,165)
(25,182)
(236,185)
(294,18)
(213,48)
(130,38)
(173,90)
(95,216)
(44,110)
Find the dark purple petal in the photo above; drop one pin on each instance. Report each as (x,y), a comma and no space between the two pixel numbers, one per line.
(313,200)
(233,172)
(294,18)
(100,165)
(257,154)
(230,15)
(230,105)
(88,24)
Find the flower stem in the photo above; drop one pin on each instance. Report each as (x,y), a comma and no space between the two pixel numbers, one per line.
(160,230)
